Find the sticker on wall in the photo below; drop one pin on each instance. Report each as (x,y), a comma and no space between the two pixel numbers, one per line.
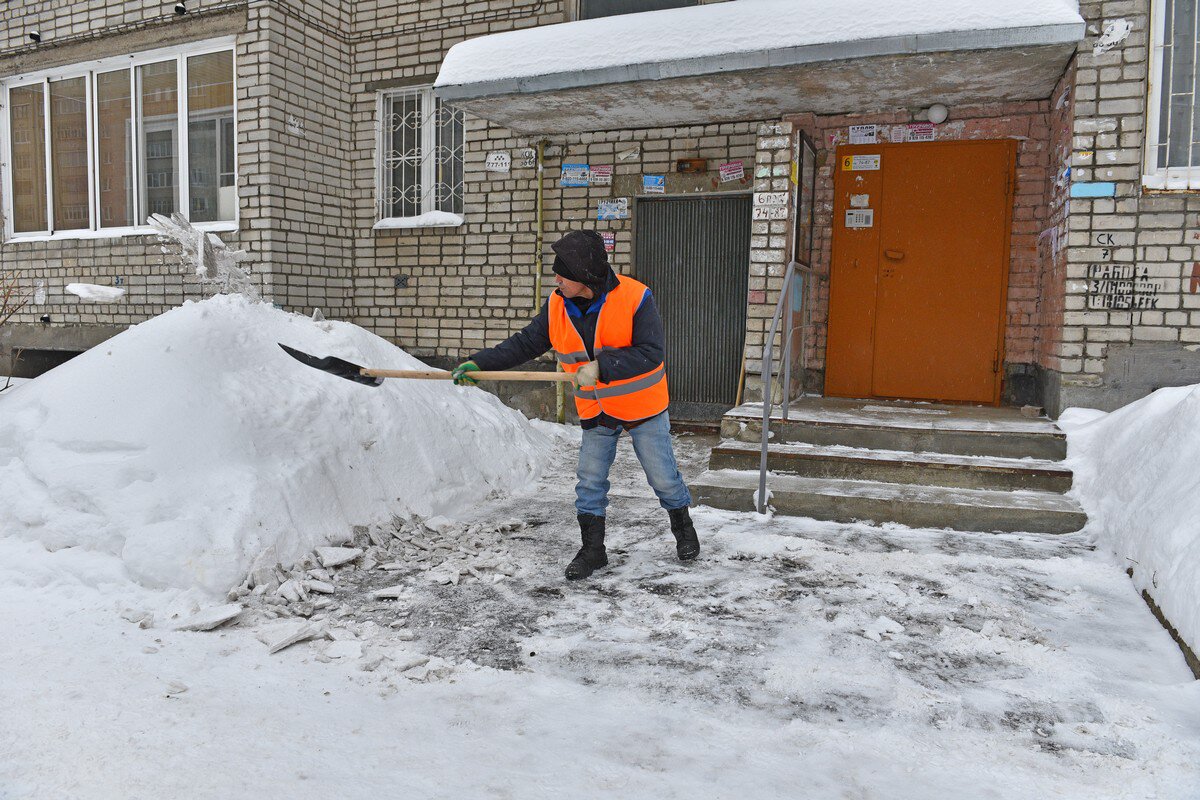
(920,132)
(855,163)
(864,134)
(617,208)
(732,171)
(654,184)
(498,162)
(860,218)
(610,241)
(600,175)
(860,200)
(574,175)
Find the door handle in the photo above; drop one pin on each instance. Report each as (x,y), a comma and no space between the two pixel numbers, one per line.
(894,255)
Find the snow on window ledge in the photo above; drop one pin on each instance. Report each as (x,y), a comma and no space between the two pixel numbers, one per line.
(430,219)
(113,233)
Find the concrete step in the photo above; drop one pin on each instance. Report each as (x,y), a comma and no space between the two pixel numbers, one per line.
(894,466)
(912,427)
(916,506)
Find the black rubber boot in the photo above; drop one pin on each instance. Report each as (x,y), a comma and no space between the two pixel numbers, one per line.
(591,556)
(686,543)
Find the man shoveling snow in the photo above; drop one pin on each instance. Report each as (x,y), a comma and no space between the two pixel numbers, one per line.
(606,332)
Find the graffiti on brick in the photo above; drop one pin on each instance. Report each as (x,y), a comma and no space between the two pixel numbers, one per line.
(1122,287)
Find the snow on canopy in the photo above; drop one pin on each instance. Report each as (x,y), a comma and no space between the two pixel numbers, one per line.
(742,26)
(194,449)
(1136,475)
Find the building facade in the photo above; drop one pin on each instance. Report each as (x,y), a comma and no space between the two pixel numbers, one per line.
(1050,214)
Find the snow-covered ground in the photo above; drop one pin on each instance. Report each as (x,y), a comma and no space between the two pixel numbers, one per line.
(446,656)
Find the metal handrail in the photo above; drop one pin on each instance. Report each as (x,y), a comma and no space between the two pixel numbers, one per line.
(768,367)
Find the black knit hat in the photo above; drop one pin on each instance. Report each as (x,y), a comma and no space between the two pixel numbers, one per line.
(580,256)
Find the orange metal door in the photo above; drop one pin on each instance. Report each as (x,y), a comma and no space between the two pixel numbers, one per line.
(917,298)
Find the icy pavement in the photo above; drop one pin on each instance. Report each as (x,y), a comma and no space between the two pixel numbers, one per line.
(793,659)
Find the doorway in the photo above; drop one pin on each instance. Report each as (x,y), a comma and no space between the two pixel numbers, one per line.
(919,270)
(694,254)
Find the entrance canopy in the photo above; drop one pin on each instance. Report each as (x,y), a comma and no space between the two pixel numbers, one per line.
(761,59)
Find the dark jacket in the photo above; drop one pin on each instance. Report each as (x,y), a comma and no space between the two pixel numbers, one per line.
(644,354)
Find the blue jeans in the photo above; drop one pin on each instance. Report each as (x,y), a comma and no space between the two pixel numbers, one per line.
(652,443)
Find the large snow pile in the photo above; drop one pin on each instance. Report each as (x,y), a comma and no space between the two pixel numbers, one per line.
(1137,474)
(194,449)
(745,26)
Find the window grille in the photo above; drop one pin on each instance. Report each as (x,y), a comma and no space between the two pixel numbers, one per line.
(421,147)
(1173,118)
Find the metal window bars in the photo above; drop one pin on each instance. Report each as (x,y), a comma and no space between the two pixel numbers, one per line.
(422,155)
(1173,116)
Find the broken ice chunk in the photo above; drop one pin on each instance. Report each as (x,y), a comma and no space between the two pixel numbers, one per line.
(210,618)
(295,634)
(335,556)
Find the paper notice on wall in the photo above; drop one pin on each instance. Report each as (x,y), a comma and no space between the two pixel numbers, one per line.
(732,171)
(617,208)
(854,163)
(574,175)
(600,175)
(610,241)
(860,200)
(864,134)
(860,218)
(899,133)
(39,293)
(921,132)
(654,184)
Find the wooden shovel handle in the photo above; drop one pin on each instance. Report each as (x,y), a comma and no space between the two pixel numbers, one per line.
(442,375)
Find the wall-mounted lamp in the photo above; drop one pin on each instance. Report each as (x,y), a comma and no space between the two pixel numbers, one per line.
(44,319)
(180,9)
(35,36)
(938,113)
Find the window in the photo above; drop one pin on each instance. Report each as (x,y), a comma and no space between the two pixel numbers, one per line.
(590,9)
(421,155)
(1173,117)
(98,148)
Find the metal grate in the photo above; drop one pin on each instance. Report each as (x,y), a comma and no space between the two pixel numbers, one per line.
(694,253)
(422,155)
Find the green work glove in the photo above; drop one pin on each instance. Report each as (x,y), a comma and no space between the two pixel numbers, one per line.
(460,376)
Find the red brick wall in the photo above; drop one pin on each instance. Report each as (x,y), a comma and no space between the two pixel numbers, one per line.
(1029,124)
(1052,249)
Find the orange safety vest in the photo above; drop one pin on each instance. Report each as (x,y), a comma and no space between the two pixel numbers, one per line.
(632,399)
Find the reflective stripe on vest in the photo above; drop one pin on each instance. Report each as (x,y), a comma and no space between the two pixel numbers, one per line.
(635,398)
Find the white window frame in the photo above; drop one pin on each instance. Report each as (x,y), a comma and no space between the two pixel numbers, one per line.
(428,163)
(1153,176)
(88,70)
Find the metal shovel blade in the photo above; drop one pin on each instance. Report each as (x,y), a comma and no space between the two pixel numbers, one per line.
(334,366)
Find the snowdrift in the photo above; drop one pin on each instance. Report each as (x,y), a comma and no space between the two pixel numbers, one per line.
(194,449)
(1137,474)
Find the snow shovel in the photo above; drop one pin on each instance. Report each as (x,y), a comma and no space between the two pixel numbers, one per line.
(374,377)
